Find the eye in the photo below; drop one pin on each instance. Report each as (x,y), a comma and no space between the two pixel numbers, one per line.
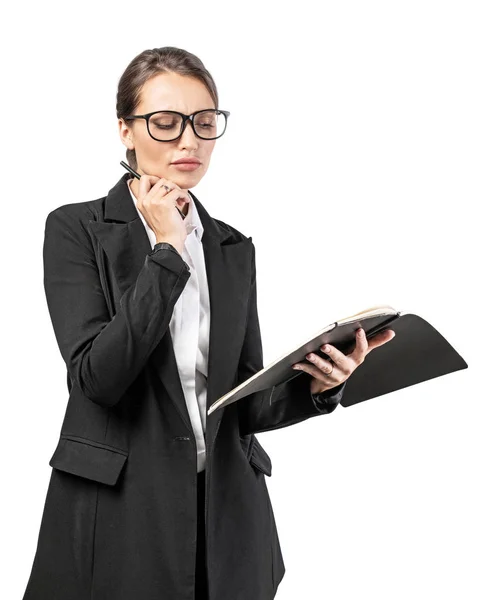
(206,125)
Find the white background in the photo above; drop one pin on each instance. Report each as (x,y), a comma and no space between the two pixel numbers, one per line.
(378,198)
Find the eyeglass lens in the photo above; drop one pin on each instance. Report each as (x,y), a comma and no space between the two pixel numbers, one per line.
(167,126)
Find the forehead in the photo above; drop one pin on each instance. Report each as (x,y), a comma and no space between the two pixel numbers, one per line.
(171,91)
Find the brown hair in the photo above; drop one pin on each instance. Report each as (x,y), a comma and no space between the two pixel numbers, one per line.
(149,63)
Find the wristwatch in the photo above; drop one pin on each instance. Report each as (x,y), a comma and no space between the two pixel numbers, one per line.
(167,246)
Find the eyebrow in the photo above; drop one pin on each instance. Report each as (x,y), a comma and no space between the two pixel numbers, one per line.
(180,111)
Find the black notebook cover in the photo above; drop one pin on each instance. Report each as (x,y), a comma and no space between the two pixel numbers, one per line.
(418,352)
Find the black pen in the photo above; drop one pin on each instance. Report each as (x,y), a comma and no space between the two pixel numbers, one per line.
(136,174)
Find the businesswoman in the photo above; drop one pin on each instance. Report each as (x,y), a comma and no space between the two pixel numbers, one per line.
(156,318)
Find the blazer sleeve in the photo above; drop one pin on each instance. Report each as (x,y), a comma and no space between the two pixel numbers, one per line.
(284,404)
(104,355)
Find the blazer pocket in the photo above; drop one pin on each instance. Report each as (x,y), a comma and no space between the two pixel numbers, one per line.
(259,458)
(88,458)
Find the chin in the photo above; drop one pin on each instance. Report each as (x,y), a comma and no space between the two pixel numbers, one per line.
(186,180)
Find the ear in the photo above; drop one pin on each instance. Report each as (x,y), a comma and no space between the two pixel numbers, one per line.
(125,134)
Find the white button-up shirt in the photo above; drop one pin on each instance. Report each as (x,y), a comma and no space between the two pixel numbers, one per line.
(190,326)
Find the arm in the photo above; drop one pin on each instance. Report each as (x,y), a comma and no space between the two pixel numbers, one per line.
(284,404)
(104,355)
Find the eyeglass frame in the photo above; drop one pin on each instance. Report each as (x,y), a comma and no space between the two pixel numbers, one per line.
(185,118)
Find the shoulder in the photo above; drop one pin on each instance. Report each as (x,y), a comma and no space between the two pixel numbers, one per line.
(72,218)
(236,235)
(80,211)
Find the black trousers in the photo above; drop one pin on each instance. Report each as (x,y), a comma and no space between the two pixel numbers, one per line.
(201,590)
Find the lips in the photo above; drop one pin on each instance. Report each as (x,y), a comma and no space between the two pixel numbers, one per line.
(189,161)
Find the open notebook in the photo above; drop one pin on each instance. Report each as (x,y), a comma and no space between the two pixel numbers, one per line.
(418,352)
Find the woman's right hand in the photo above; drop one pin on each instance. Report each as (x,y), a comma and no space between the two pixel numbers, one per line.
(157,206)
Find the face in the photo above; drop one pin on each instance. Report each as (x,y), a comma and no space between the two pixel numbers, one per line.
(169,91)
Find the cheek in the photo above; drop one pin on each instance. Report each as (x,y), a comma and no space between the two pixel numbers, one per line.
(153,150)
(163,151)
(208,153)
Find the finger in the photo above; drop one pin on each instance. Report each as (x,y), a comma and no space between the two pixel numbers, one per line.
(181,201)
(319,374)
(178,195)
(361,349)
(175,193)
(340,359)
(381,338)
(159,192)
(321,363)
(146,182)
(162,187)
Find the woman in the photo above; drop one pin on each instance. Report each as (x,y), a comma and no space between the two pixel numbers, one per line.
(149,498)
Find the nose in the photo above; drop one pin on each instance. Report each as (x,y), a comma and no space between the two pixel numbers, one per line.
(184,134)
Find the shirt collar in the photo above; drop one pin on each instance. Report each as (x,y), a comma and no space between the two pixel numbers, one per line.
(192,219)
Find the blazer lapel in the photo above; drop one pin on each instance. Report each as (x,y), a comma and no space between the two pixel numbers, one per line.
(125,242)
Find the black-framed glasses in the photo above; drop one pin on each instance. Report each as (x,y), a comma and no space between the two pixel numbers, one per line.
(168,125)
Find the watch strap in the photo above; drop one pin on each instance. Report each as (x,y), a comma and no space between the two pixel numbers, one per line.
(164,246)
(167,246)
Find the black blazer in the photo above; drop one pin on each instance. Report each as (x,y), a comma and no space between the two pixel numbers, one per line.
(120,517)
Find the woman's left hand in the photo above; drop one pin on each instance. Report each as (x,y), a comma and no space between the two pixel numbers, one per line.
(327,375)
